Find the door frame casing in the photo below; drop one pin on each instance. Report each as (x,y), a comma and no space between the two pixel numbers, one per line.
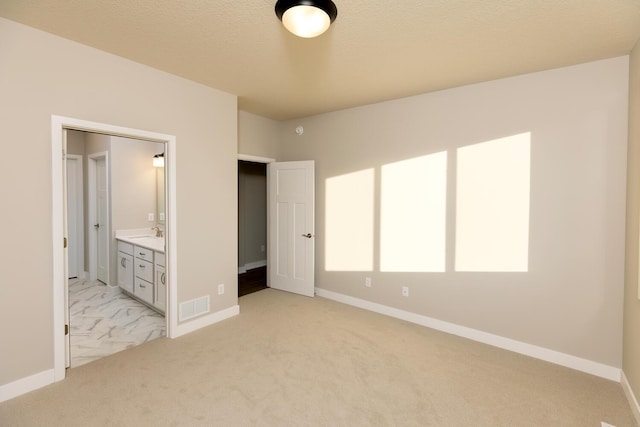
(255,159)
(58,125)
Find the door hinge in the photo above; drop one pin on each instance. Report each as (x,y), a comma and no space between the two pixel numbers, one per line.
(66,329)
(65,242)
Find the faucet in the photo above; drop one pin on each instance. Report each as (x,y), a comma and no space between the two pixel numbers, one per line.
(158,231)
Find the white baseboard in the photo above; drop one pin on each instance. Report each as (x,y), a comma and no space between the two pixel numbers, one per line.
(631,397)
(207,320)
(244,268)
(552,356)
(25,385)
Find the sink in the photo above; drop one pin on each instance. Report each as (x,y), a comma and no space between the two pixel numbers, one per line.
(150,238)
(152,242)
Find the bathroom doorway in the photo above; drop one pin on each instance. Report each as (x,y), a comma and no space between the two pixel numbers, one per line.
(60,127)
(121,175)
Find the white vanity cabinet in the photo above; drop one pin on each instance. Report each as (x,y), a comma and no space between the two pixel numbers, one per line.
(125,266)
(160,283)
(141,273)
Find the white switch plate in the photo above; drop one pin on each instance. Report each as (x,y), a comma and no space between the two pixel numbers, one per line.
(405,291)
(221,289)
(367,282)
(150,217)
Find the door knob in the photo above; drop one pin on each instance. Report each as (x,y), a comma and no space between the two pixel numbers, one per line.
(308,235)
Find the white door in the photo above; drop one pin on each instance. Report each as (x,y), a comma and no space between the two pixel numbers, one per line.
(74,215)
(102,220)
(291,189)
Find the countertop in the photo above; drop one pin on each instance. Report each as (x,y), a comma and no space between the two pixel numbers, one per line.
(144,240)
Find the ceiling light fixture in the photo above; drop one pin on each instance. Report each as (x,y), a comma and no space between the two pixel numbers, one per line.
(306,18)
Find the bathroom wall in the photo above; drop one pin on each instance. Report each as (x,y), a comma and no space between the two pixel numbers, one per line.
(133,188)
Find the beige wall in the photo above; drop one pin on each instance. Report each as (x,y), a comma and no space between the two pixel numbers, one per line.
(258,136)
(631,352)
(570,297)
(133,182)
(44,75)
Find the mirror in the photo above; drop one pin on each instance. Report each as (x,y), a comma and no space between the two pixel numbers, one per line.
(160,195)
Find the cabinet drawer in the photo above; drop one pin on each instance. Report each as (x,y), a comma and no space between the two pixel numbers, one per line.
(159,256)
(143,253)
(143,269)
(143,290)
(125,247)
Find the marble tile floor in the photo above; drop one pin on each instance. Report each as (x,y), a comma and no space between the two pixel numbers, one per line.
(104,322)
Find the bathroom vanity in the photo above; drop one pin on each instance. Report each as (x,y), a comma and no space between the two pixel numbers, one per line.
(141,269)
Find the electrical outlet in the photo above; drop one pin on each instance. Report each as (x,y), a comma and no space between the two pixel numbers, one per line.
(367,282)
(262,248)
(221,289)
(150,217)
(405,291)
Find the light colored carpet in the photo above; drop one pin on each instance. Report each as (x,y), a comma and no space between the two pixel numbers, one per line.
(288,360)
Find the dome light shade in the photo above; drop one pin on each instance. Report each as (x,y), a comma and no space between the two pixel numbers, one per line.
(306,18)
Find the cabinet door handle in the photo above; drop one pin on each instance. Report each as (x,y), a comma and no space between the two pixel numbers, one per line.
(162,278)
(142,286)
(141,253)
(122,262)
(141,266)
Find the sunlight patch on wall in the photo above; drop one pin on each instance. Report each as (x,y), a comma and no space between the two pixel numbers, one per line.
(349,222)
(492,205)
(413,214)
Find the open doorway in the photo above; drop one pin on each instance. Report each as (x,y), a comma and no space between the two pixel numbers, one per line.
(252,227)
(59,129)
(123,195)
(289,250)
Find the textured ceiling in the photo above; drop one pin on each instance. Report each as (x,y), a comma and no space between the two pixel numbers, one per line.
(376,50)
